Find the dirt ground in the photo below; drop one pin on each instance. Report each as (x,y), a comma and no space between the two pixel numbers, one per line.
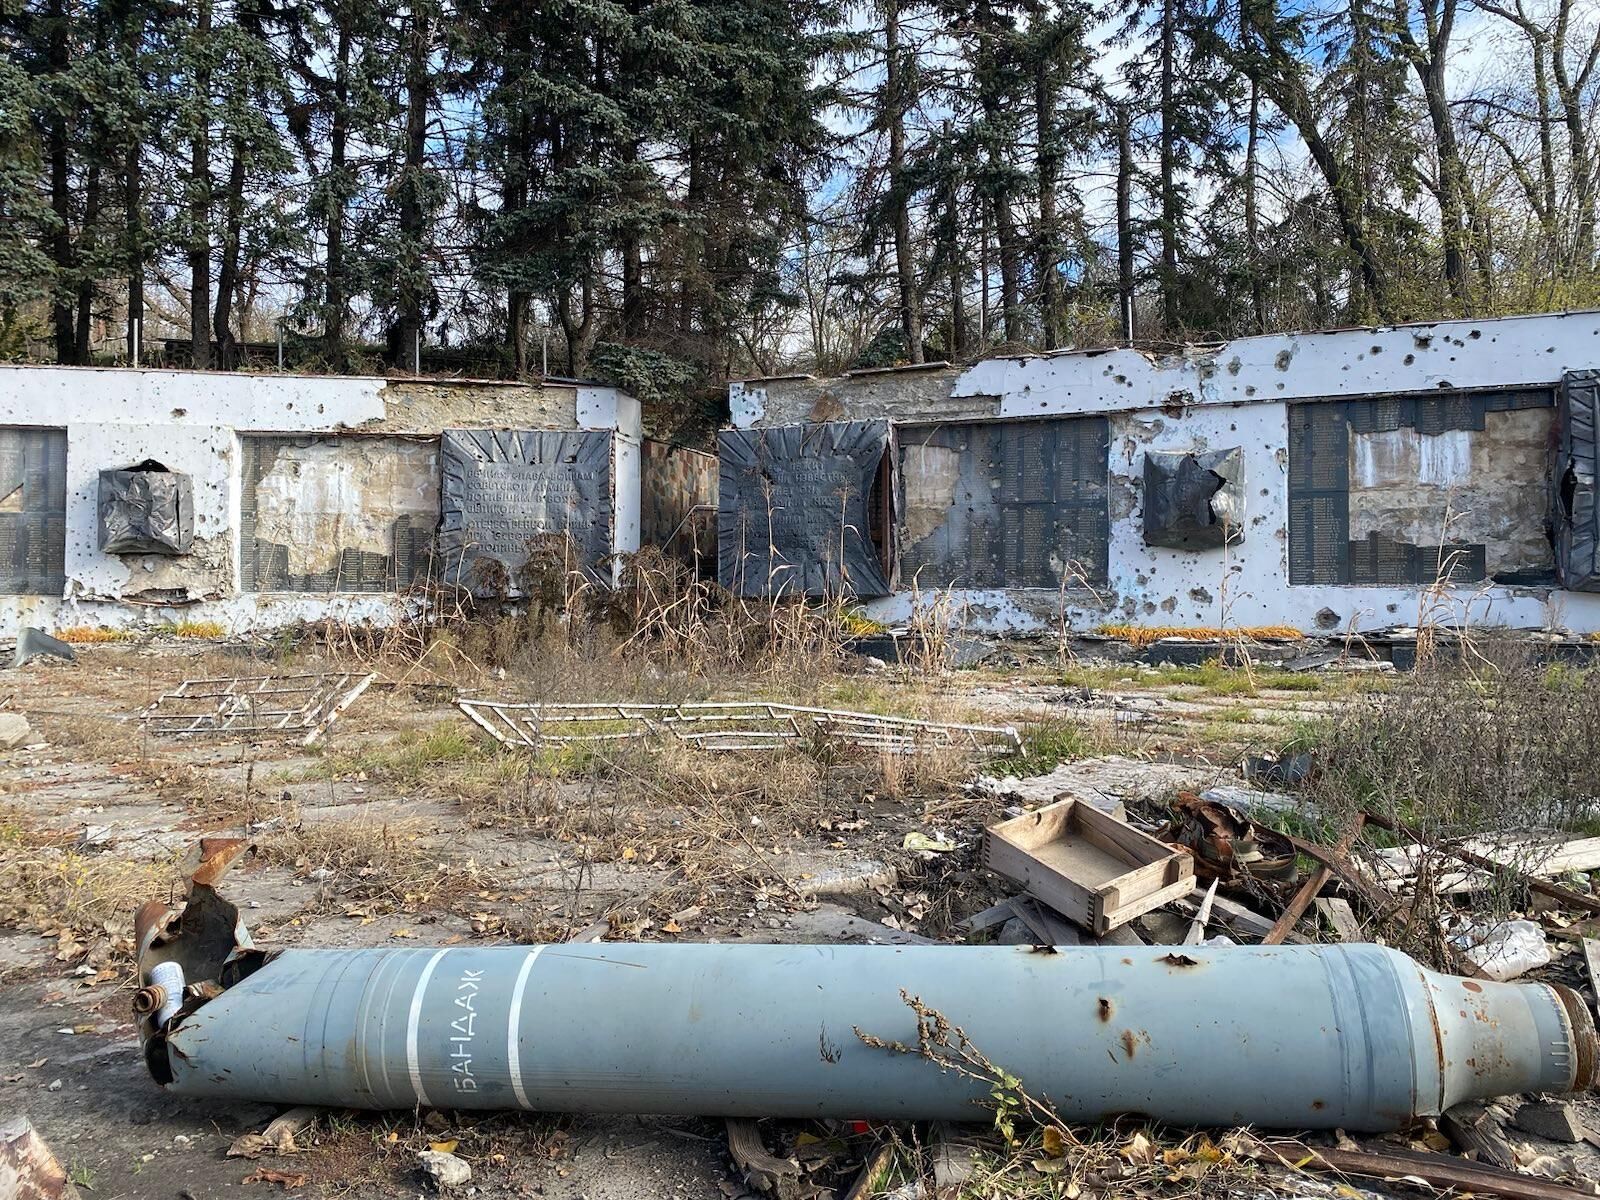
(406,825)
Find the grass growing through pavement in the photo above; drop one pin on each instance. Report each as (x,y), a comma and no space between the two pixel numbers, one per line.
(410,758)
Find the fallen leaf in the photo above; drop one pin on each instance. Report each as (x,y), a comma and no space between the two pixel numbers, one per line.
(629,854)
(1049,1166)
(285,1180)
(447,1147)
(1140,1151)
(1055,1143)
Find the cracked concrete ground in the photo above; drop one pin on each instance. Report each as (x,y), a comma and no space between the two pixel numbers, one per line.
(407,827)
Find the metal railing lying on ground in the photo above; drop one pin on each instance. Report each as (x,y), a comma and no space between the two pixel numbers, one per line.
(255,704)
(726,725)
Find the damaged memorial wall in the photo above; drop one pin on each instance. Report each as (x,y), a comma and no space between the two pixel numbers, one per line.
(143,497)
(1320,480)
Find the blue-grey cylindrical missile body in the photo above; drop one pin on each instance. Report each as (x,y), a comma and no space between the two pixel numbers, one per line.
(1352,1036)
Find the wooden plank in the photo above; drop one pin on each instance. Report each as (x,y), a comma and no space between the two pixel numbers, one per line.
(1340,917)
(995,914)
(1591,957)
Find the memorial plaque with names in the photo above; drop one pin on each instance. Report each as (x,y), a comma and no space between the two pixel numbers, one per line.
(505,489)
(33,511)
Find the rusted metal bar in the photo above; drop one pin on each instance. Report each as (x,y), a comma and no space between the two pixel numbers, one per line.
(1358,1037)
(1309,890)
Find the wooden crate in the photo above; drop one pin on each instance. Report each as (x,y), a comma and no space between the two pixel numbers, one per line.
(1089,867)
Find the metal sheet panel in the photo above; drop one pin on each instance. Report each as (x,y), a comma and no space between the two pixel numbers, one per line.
(1574,479)
(1005,504)
(503,489)
(349,514)
(794,513)
(33,511)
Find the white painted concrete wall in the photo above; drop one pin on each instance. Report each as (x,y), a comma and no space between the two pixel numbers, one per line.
(1234,394)
(191,421)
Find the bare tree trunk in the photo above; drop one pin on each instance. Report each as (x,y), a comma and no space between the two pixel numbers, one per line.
(1125,222)
(1171,214)
(228,271)
(1451,186)
(1258,300)
(408,327)
(1570,92)
(1047,165)
(200,196)
(86,282)
(335,303)
(133,204)
(895,105)
(62,251)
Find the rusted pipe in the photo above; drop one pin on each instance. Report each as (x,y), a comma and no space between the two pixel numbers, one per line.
(1357,1036)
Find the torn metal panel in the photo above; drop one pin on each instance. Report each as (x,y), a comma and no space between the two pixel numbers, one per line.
(1013,504)
(796,510)
(1194,1038)
(146,509)
(33,511)
(347,514)
(1194,501)
(505,489)
(1574,479)
(729,725)
(1400,491)
(256,705)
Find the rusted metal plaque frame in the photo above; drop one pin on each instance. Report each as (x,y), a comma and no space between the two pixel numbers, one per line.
(503,488)
(794,515)
(256,704)
(33,533)
(726,725)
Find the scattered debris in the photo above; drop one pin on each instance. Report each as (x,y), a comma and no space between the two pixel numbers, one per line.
(278,1137)
(33,643)
(287,1180)
(444,1171)
(1287,771)
(28,1171)
(763,1171)
(1553,1120)
(1227,845)
(14,730)
(1341,918)
(1434,1170)
(1502,949)
(727,726)
(1476,1128)
(1093,869)
(255,705)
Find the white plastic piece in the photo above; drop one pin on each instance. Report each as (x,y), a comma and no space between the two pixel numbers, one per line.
(1503,950)
(168,976)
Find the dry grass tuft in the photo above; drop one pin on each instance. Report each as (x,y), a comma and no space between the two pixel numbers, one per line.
(85,901)
(86,635)
(385,861)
